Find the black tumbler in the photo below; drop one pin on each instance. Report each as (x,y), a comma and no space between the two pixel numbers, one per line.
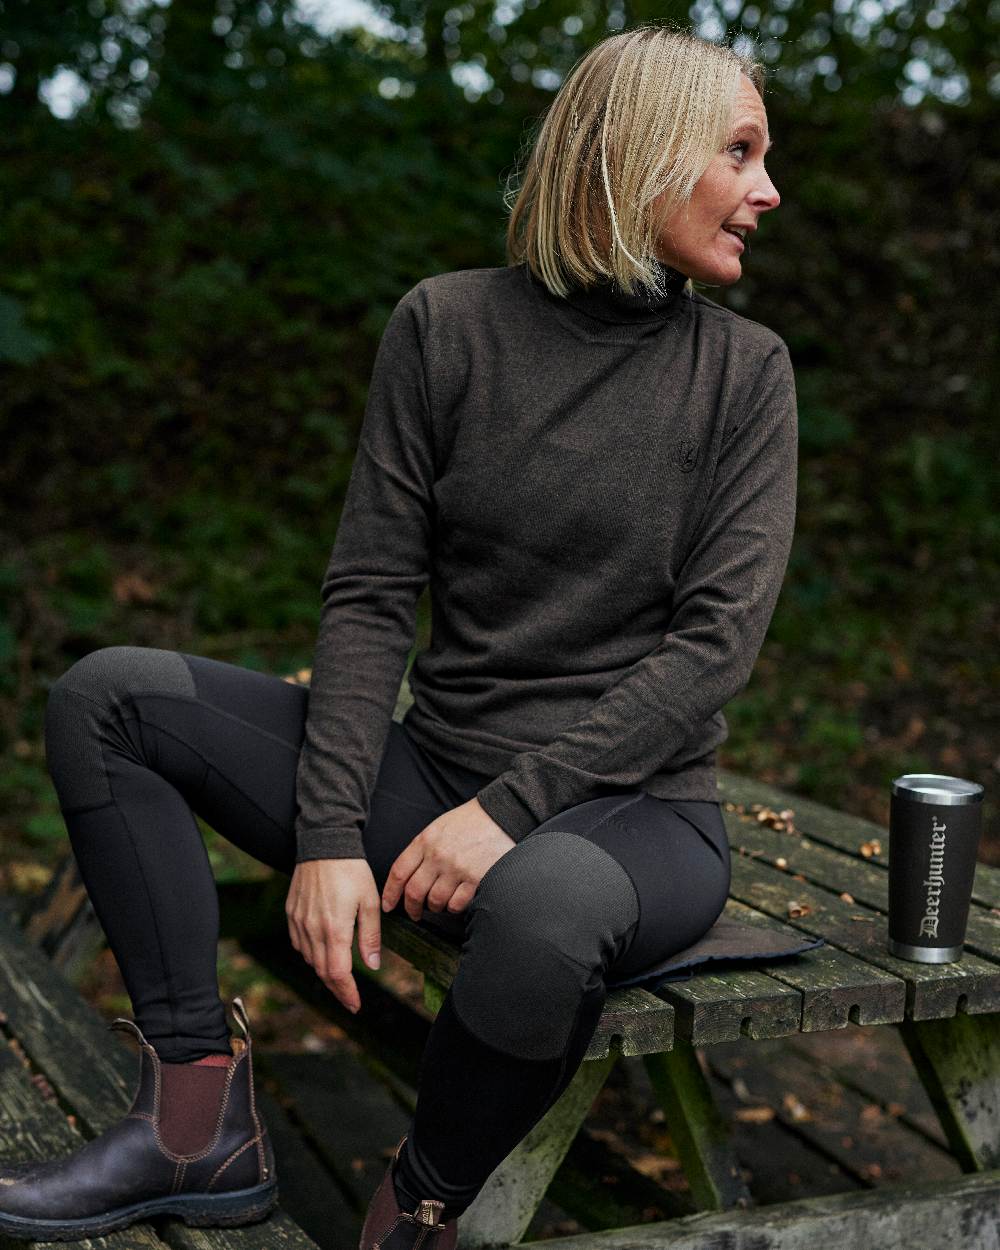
(935,824)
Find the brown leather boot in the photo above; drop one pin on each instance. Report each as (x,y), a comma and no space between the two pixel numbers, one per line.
(127,1174)
(389,1227)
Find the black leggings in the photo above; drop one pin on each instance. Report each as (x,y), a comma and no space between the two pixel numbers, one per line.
(138,739)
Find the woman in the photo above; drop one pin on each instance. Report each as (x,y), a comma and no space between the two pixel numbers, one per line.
(595,468)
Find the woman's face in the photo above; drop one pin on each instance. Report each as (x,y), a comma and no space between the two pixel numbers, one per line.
(733,191)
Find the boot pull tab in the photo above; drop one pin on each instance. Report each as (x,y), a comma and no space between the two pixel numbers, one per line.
(429,1212)
(240,1014)
(129,1026)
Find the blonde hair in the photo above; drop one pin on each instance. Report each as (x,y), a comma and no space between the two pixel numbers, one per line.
(641,114)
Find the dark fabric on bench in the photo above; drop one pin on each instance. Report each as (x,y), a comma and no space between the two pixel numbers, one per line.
(727,940)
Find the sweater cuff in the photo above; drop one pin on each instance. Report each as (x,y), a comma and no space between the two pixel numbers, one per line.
(329,844)
(501,804)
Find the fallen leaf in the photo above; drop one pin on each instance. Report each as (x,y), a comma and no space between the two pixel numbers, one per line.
(795,1107)
(754,1115)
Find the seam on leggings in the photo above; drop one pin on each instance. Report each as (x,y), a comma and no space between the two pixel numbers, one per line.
(565,1055)
(152,911)
(208,763)
(93,807)
(700,832)
(632,798)
(211,707)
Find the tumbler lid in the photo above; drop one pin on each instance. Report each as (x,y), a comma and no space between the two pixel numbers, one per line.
(937,788)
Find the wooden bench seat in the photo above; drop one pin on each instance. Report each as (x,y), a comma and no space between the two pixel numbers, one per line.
(63,1080)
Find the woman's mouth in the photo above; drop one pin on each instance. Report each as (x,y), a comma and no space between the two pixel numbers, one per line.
(733,235)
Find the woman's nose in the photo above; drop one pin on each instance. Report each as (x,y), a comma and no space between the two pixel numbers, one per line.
(765,194)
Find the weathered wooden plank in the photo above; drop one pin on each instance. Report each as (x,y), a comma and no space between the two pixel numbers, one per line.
(831,1117)
(958,1062)
(90,1070)
(421,946)
(277,1232)
(306,1190)
(88,1067)
(838,829)
(865,881)
(62,922)
(960,1212)
(719,1006)
(702,1138)
(600,1188)
(776,1163)
(932,990)
(32,1127)
(835,987)
(350,1119)
(876,1064)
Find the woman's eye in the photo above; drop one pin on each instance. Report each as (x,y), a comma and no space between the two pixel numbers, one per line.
(743,145)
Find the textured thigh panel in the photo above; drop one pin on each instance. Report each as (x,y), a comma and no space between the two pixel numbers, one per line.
(82,706)
(546,921)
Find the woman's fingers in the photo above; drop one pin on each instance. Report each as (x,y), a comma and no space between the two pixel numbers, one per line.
(369,931)
(462,897)
(322,908)
(416,890)
(337,971)
(441,891)
(405,864)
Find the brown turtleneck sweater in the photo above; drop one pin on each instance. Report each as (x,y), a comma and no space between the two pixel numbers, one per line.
(601,491)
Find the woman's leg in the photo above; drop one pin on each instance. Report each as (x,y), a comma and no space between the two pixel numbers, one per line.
(599,892)
(138,740)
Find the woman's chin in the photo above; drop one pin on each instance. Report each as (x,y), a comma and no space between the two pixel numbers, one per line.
(720,273)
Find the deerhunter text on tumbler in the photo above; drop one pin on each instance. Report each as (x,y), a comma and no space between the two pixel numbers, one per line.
(935,824)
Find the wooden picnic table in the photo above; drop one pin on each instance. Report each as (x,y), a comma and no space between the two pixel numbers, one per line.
(825,874)
(819,872)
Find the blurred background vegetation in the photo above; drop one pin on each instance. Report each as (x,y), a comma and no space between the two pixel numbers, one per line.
(210,207)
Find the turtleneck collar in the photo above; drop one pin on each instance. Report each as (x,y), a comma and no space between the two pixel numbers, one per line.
(607,301)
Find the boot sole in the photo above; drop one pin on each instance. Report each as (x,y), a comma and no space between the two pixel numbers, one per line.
(245,1206)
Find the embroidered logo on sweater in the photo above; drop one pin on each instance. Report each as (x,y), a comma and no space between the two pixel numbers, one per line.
(686,455)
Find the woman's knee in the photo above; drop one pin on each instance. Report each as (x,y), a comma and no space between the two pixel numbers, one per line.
(82,704)
(109,674)
(546,922)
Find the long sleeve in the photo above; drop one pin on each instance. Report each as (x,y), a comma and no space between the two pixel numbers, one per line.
(725,595)
(376,572)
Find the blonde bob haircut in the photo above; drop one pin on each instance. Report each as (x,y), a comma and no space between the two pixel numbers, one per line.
(642,114)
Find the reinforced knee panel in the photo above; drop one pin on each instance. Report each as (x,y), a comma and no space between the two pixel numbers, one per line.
(545,923)
(82,705)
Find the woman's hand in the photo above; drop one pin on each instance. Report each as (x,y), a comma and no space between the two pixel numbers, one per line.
(445,862)
(324,900)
